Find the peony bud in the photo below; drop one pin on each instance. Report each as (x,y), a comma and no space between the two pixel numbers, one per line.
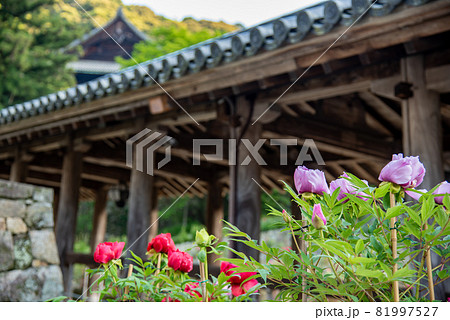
(203,239)
(318,219)
(286,216)
(406,172)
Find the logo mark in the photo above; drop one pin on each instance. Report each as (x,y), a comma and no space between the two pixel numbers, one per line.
(145,146)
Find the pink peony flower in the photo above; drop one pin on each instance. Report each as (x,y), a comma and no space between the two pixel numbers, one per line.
(345,188)
(308,180)
(108,251)
(407,172)
(444,188)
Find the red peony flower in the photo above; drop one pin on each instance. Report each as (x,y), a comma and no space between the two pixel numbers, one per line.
(108,251)
(190,288)
(162,243)
(179,260)
(238,282)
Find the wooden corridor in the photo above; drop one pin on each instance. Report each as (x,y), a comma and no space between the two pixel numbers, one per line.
(383,88)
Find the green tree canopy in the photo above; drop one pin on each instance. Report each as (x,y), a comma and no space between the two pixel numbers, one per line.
(31,62)
(167,39)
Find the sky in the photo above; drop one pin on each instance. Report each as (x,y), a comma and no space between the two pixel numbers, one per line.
(246,12)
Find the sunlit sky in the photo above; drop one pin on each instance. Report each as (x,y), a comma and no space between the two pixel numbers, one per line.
(246,12)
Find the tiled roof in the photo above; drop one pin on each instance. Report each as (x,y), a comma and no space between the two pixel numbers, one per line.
(291,28)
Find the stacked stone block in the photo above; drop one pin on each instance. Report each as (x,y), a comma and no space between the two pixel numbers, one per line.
(29,263)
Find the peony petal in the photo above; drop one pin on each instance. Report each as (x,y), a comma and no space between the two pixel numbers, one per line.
(414,194)
(249,284)
(236,290)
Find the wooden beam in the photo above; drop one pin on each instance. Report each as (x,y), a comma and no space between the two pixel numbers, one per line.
(67,212)
(382,109)
(100,218)
(324,92)
(438,79)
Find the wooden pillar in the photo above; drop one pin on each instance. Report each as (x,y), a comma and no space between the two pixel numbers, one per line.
(67,211)
(245,191)
(139,207)
(422,129)
(422,135)
(214,211)
(154,213)
(55,206)
(19,167)
(100,218)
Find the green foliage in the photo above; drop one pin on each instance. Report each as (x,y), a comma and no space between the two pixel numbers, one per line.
(155,282)
(33,32)
(351,259)
(165,40)
(31,36)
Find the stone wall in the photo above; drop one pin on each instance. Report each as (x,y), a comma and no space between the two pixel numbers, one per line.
(29,263)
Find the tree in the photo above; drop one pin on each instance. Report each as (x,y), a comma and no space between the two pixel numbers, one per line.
(165,40)
(32,33)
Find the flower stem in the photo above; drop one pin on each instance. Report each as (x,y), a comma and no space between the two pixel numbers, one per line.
(127,288)
(329,260)
(429,269)
(158,264)
(303,247)
(395,290)
(203,280)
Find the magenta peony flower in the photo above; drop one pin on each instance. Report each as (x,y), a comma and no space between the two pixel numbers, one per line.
(239,283)
(444,188)
(318,219)
(407,172)
(345,188)
(162,243)
(179,260)
(308,180)
(108,251)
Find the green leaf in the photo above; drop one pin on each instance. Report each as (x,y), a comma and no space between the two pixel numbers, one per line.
(362,260)
(413,214)
(380,192)
(404,272)
(264,273)
(446,201)
(361,271)
(393,212)
(137,259)
(427,208)
(359,246)
(376,244)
